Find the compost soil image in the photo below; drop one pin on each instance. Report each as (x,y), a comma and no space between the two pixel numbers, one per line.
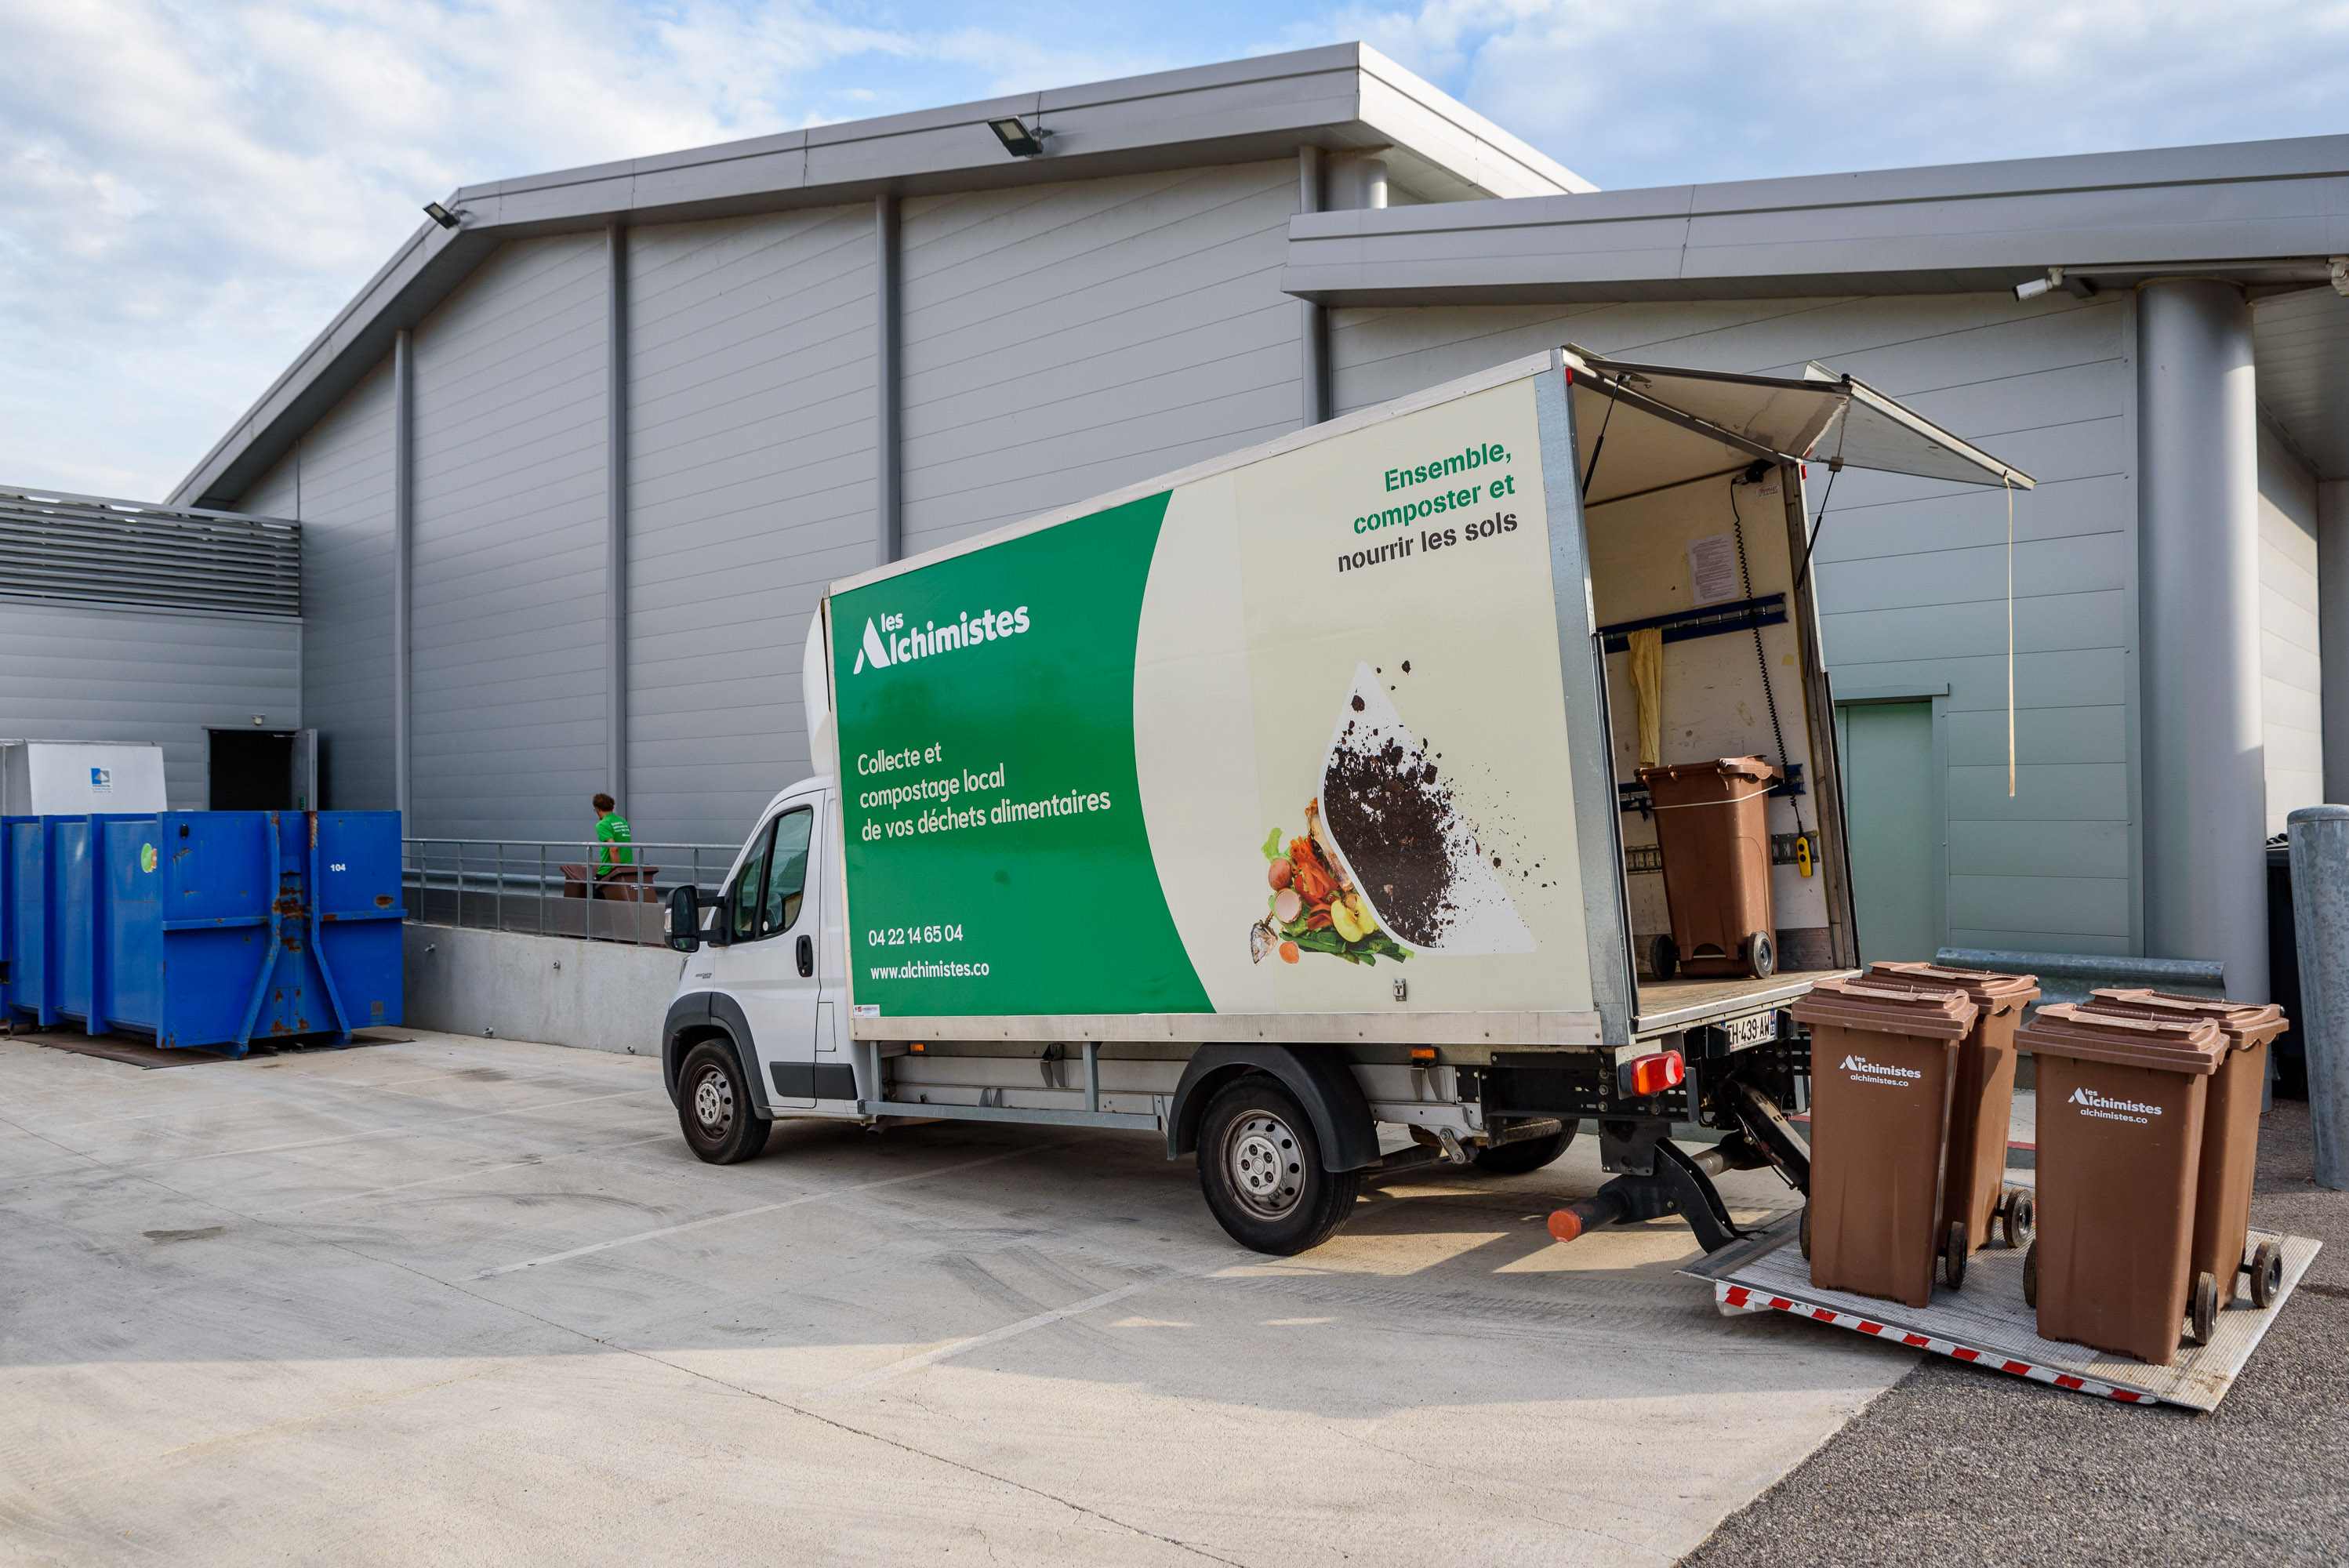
(1389,865)
(1382,799)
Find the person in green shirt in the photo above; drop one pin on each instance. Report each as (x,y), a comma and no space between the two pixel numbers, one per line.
(611,837)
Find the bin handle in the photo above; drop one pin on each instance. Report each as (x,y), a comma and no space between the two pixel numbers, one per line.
(1691,805)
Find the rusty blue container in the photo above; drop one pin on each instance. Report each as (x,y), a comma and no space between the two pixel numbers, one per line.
(211,929)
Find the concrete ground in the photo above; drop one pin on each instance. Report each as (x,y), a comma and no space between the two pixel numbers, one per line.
(1959,1463)
(471,1300)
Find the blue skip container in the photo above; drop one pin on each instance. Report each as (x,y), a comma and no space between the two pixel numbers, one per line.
(208,928)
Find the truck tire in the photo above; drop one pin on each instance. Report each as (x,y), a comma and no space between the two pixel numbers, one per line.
(1526,1154)
(1260,1169)
(721,1123)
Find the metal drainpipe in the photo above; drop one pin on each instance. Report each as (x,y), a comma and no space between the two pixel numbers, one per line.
(403,552)
(615,516)
(1313,326)
(889,499)
(2203,760)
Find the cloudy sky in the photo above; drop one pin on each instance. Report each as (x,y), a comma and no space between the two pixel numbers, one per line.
(190,189)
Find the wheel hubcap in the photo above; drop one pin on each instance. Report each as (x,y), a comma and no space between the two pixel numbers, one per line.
(713,1101)
(1266,1164)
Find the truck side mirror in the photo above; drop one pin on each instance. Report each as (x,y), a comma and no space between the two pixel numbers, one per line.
(685,919)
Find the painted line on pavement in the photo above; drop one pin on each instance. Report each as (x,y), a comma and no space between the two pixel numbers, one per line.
(761,1209)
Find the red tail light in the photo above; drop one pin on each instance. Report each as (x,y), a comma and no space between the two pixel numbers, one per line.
(1654,1074)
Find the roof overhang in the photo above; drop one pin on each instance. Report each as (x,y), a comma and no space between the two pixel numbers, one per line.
(1344,96)
(2268,213)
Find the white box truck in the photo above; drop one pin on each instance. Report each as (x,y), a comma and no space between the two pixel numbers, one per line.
(1296,794)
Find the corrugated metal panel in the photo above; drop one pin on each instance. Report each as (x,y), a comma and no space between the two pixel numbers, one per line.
(1912,572)
(336,482)
(750,461)
(1063,341)
(124,552)
(107,673)
(508,675)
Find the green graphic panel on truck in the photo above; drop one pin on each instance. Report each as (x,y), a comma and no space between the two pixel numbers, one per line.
(998,861)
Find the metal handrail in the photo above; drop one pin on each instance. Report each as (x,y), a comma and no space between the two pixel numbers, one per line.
(518,878)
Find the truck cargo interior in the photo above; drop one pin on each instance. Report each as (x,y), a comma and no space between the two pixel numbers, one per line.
(1699,527)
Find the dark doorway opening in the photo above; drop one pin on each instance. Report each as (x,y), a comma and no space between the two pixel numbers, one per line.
(253,769)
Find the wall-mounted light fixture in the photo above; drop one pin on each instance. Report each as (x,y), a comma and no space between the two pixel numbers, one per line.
(442,215)
(1017,138)
(2077,288)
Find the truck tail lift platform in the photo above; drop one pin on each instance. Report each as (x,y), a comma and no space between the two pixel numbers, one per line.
(1990,1324)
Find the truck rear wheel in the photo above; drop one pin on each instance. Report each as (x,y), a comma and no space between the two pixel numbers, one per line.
(714,1107)
(1261,1168)
(1525,1154)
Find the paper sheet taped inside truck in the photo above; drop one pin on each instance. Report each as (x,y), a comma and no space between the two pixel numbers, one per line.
(203,928)
(1713,828)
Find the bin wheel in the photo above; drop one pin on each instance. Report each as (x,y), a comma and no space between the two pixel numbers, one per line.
(1761,955)
(1954,1256)
(2020,1217)
(1807,1232)
(1664,958)
(2267,1274)
(2031,1277)
(2205,1308)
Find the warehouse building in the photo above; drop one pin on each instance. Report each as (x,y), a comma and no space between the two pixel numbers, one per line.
(574,467)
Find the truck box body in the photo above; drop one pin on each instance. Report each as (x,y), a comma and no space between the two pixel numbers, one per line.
(1070,754)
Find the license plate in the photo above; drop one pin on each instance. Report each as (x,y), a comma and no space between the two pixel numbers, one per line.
(1751,1030)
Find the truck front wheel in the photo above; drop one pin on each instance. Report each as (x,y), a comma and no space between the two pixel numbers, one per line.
(1260,1168)
(713,1106)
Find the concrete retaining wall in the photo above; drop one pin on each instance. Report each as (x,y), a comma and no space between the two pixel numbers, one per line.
(562,991)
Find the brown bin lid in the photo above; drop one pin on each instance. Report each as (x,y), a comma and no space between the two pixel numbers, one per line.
(1992,992)
(1720,767)
(2245,1024)
(2193,1046)
(1886,1009)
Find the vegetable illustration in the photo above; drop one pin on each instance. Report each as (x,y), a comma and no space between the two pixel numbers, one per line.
(1314,908)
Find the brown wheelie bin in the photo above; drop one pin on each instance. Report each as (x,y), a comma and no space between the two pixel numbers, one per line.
(2230,1134)
(1973,1181)
(2121,1103)
(1712,826)
(1884,1061)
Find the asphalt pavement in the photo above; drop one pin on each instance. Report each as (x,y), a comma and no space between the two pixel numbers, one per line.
(1957,1464)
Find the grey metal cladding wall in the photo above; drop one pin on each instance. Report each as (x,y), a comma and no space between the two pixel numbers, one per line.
(109,673)
(751,442)
(1065,340)
(1912,573)
(337,482)
(508,635)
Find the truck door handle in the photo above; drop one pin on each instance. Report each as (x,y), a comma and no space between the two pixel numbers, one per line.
(807,957)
